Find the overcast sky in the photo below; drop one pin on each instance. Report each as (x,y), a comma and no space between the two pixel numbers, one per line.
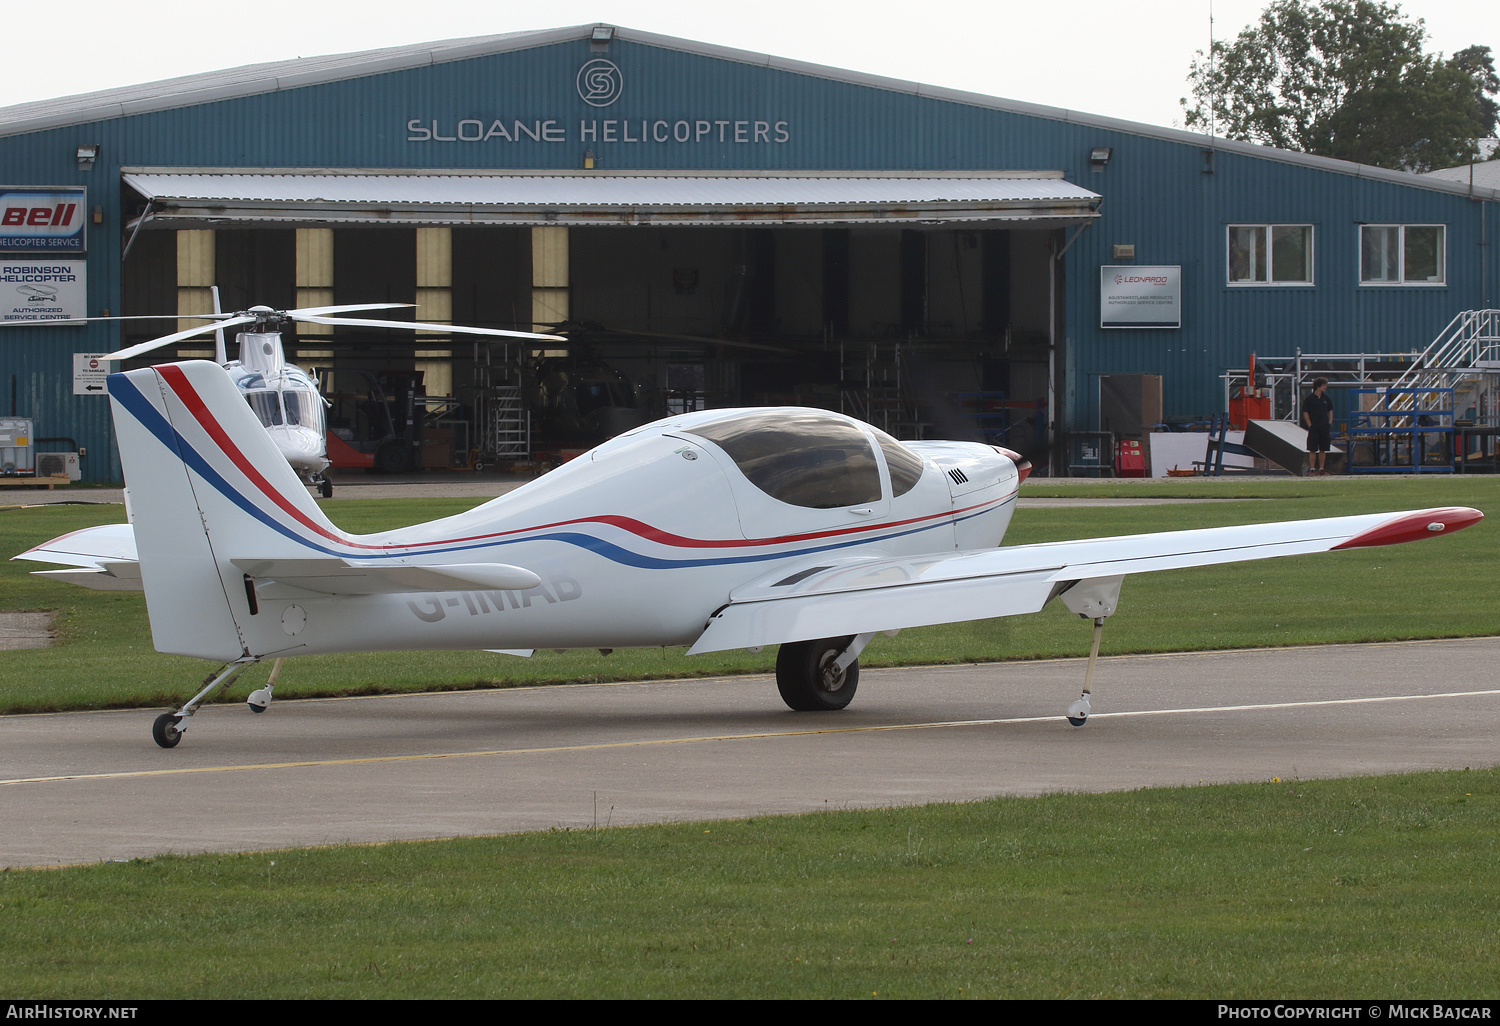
(1114,57)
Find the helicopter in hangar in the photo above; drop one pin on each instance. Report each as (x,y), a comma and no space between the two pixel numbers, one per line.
(284,397)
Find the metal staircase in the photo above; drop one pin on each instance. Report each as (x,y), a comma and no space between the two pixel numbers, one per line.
(1465,357)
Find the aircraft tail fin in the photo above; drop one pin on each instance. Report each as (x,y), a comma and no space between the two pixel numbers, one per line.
(207,484)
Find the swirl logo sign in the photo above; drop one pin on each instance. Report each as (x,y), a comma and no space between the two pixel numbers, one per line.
(599,83)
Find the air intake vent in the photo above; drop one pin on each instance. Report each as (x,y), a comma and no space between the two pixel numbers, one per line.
(958,476)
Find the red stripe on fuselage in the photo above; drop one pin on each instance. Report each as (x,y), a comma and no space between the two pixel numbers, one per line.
(195,405)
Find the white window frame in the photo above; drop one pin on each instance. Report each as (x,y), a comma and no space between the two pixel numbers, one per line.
(1401,280)
(1270,281)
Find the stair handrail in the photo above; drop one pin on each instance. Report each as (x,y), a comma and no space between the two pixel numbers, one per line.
(1456,349)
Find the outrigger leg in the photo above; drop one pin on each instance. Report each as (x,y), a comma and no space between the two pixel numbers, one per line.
(169,727)
(1078,712)
(1096,598)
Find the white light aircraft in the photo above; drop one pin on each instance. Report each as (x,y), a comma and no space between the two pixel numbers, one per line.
(718,529)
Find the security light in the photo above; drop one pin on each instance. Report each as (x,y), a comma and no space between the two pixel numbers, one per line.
(602,33)
(1099,156)
(86,155)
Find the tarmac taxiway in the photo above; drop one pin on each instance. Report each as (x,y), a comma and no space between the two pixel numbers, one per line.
(91,786)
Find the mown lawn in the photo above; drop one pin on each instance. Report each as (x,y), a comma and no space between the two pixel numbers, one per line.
(1365,887)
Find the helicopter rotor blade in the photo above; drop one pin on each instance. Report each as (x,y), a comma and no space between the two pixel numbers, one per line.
(129,317)
(457,329)
(145,347)
(321,311)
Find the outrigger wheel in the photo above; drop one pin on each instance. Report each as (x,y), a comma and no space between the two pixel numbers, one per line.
(808,677)
(165,731)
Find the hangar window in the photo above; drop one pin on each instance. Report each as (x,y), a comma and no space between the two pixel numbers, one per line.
(1402,254)
(1270,254)
(802,457)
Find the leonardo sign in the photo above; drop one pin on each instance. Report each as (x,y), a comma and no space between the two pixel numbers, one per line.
(1140,297)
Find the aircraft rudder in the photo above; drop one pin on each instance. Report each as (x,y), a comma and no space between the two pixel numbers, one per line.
(189,610)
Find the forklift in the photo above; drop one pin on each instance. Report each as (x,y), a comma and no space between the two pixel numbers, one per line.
(374,419)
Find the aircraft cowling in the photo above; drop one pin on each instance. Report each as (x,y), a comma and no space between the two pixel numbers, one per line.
(976,474)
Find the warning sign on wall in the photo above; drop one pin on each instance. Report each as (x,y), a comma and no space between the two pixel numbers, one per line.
(89,372)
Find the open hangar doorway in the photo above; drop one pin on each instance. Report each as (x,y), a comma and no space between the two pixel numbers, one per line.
(923,302)
(927,332)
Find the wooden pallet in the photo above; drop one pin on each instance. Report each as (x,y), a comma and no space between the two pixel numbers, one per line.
(36,482)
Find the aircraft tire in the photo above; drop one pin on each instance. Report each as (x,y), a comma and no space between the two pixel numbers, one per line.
(803,679)
(165,731)
(393,458)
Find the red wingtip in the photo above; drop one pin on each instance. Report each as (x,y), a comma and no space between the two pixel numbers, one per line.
(1023,465)
(1423,523)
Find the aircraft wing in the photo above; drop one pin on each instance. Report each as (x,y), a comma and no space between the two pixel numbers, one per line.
(854,596)
(102,558)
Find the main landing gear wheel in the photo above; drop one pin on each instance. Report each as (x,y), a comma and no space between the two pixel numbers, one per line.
(325,488)
(165,731)
(808,677)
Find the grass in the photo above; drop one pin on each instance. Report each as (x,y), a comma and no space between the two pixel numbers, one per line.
(1377,887)
(1440,588)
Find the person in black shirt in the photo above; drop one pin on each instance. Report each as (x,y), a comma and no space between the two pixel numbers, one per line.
(1317,417)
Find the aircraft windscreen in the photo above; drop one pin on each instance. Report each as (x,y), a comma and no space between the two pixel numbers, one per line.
(801,457)
(303,408)
(905,466)
(266,407)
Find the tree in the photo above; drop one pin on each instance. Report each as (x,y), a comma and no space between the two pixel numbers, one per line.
(1347,79)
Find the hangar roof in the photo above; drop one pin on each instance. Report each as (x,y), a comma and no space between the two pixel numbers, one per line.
(256,79)
(1484,174)
(195,197)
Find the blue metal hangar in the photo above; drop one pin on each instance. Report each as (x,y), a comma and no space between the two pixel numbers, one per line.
(710,227)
